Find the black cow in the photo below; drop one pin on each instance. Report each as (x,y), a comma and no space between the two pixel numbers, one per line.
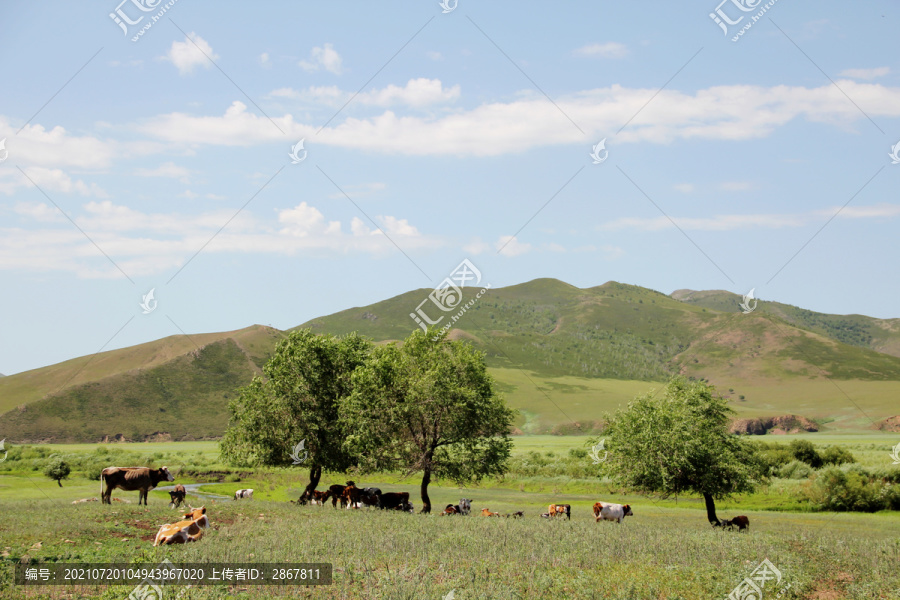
(132,478)
(395,501)
(177,495)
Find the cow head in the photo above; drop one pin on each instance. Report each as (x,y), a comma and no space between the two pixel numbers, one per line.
(165,472)
(195,513)
(628,512)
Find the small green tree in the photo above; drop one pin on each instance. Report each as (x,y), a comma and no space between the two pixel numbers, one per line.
(298,401)
(57,469)
(679,443)
(428,406)
(805,451)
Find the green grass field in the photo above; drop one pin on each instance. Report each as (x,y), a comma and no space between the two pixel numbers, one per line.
(665,551)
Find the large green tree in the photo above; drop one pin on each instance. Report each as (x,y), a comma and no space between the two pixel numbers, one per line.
(678,443)
(298,400)
(428,406)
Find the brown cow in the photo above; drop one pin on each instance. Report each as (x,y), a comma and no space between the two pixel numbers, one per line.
(177,495)
(132,478)
(487,513)
(451,510)
(741,522)
(336,492)
(314,497)
(558,510)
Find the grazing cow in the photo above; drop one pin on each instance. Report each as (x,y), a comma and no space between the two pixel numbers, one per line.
(394,501)
(336,492)
(177,496)
(516,515)
(244,494)
(182,532)
(487,513)
(369,496)
(315,497)
(606,511)
(132,478)
(558,510)
(740,522)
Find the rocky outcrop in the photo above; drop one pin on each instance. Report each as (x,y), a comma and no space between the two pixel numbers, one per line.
(774,425)
(890,424)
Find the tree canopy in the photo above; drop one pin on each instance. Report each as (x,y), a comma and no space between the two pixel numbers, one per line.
(298,401)
(678,443)
(427,406)
(57,469)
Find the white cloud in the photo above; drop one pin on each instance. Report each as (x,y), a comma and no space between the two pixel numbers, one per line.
(168,169)
(509,245)
(736,186)
(736,112)
(264,60)
(323,57)
(417,92)
(476,246)
(747,221)
(434,55)
(35,145)
(605,50)
(193,51)
(49,180)
(146,243)
(685,188)
(865,73)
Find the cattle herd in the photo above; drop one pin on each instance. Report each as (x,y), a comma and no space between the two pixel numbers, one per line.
(350,496)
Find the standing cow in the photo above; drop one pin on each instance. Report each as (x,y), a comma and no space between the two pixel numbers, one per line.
(177,495)
(606,511)
(130,479)
(244,494)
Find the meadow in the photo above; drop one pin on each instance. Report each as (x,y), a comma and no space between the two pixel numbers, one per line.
(665,551)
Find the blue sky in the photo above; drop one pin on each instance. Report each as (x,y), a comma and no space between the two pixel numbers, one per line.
(431,137)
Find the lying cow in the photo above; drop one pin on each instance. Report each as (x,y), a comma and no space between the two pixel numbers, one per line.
(558,510)
(741,522)
(84,500)
(605,511)
(516,515)
(182,532)
(248,494)
(177,496)
(132,478)
(487,513)
(463,508)
(395,501)
(450,510)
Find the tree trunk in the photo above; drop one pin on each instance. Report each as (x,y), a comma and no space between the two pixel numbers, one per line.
(711,511)
(315,474)
(59,481)
(426,501)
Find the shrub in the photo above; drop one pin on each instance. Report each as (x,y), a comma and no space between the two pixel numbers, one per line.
(57,469)
(795,470)
(836,455)
(804,450)
(837,490)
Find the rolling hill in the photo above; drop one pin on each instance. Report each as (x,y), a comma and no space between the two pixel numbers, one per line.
(561,355)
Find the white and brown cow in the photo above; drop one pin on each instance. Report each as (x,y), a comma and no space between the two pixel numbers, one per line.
(130,479)
(560,510)
(244,494)
(606,511)
(182,532)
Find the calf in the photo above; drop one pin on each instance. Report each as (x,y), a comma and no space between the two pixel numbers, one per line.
(558,510)
(606,511)
(243,494)
(741,522)
(177,496)
(182,532)
(487,513)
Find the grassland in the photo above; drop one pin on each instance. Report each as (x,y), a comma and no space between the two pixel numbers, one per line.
(665,551)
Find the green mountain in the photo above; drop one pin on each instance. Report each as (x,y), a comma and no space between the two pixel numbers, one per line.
(560,354)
